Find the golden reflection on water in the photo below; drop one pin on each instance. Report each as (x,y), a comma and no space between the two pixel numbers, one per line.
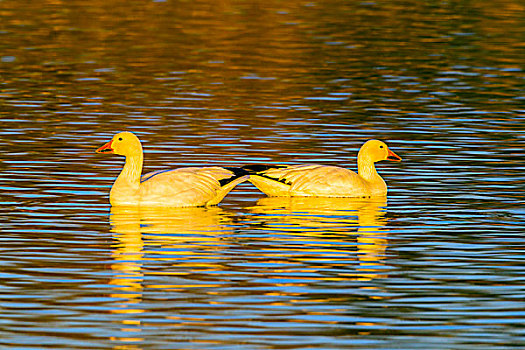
(127,268)
(295,236)
(330,218)
(161,231)
(140,231)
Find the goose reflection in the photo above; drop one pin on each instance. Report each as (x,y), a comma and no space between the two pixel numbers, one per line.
(174,232)
(332,219)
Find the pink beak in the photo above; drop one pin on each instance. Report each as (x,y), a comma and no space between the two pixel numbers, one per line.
(106,148)
(392,156)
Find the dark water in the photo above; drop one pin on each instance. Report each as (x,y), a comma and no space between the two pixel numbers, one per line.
(440,265)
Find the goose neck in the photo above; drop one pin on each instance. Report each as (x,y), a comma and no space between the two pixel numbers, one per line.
(132,170)
(366,167)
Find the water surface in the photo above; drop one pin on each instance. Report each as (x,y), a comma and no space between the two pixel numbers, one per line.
(437,265)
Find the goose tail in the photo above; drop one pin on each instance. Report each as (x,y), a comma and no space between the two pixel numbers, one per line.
(269,185)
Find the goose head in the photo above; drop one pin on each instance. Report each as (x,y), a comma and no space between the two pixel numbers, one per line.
(124,143)
(375,151)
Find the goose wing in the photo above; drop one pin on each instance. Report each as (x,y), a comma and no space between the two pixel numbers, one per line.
(309,180)
(190,186)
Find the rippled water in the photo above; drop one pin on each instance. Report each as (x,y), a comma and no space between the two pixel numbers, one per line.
(439,265)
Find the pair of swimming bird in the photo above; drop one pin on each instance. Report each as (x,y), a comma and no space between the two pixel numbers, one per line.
(192,186)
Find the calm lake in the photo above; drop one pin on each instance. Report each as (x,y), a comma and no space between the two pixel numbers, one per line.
(439,265)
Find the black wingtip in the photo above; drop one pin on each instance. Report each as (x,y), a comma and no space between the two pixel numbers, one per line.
(257,168)
(237,173)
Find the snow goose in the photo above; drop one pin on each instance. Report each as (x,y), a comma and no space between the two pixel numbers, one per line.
(323,180)
(183,187)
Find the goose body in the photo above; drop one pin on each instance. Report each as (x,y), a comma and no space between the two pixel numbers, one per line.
(183,187)
(326,181)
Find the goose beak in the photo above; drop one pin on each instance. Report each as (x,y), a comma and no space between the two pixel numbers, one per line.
(393,157)
(106,148)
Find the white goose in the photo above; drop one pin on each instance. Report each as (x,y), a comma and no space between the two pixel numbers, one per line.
(323,180)
(183,187)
